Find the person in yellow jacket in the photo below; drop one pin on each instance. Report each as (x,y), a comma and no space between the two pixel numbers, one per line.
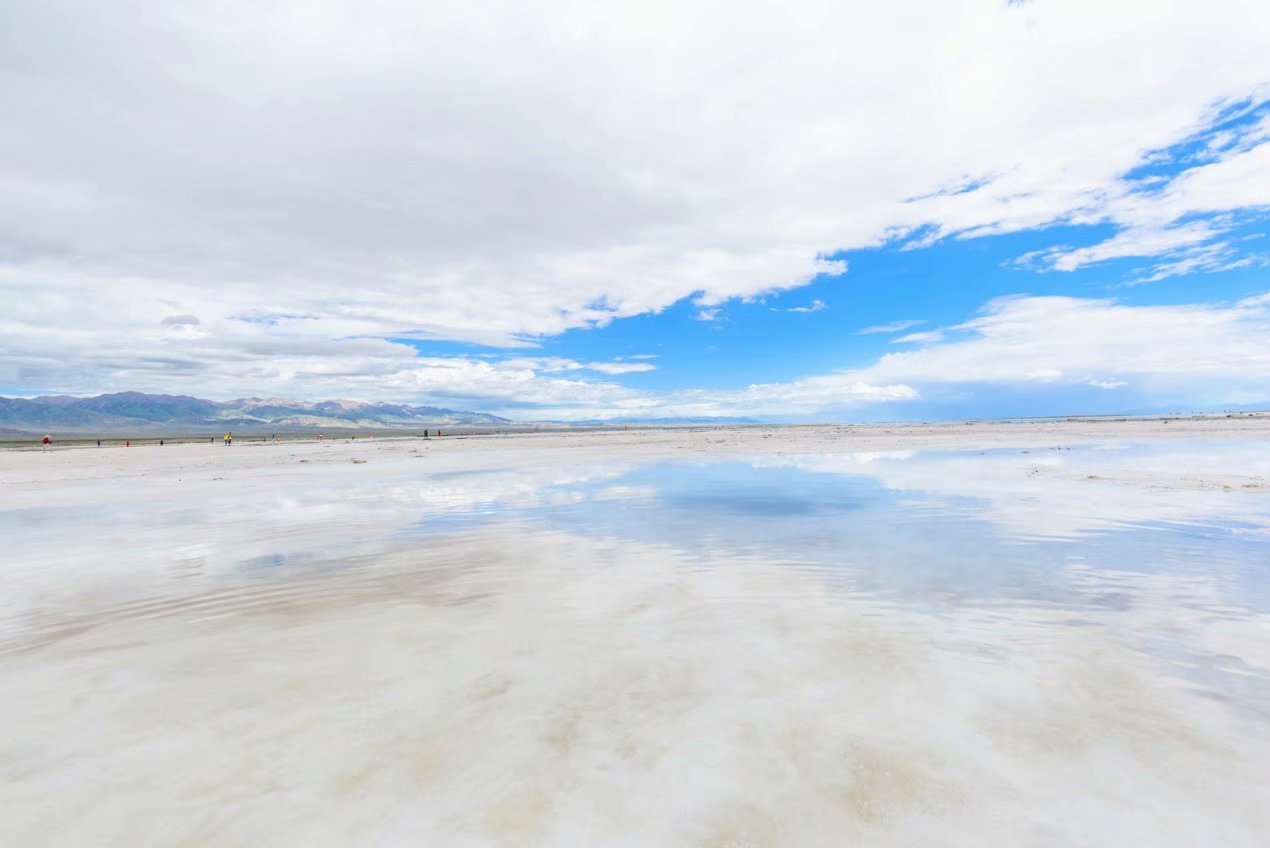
(229,439)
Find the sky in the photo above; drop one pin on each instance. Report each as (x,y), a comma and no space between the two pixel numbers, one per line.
(788,211)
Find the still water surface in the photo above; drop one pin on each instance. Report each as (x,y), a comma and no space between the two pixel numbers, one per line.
(1044,647)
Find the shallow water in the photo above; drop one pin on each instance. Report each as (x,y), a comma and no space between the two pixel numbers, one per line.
(1029,647)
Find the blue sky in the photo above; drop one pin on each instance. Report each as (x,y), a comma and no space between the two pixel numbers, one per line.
(762,341)
(649,210)
(848,321)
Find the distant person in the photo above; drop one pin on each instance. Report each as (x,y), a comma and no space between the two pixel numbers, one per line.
(160,443)
(99,443)
(425,434)
(274,436)
(127,443)
(48,441)
(229,439)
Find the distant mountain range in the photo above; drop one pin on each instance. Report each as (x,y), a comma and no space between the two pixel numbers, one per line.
(134,412)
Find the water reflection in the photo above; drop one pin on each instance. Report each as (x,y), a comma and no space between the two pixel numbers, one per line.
(1028,647)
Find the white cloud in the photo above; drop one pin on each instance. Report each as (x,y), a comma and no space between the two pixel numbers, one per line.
(1239,181)
(1220,352)
(315,179)
(808,396)
(816,305)
(1152,216)
(1254,302)
(919,338)
(1129,242)
(511,386)
(1218,256)
(892,327)
(553,365)
(523,387)
(620,367)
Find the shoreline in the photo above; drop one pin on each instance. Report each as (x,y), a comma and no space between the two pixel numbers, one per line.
(29,471)
(30,439)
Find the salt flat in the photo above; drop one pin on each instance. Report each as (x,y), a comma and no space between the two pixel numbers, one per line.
(465,451)
(1017,633)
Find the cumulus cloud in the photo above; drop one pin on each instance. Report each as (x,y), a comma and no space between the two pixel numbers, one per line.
(518,386)
(1221,351)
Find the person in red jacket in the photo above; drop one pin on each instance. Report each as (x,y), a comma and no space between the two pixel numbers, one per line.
(48,441)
